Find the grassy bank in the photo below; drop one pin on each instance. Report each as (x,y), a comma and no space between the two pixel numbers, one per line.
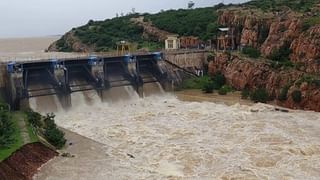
(15,137)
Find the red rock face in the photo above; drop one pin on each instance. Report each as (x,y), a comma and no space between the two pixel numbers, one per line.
(306,50)
(242,74)
(250,25)
(284,29)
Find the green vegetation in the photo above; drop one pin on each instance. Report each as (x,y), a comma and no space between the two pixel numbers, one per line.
(196,83)
(280,57)
(245,93)
(310,21)
(281,54)
(225,89)
(201,22)
(297,5)
(208,88)
(52,133)
(251,52)
(259,95)
(105,34)
(263,33)
(206,84)
(283,93)
(10,139)
(310,80)
(47,127)
(7,129)
(296,96)
(218,80)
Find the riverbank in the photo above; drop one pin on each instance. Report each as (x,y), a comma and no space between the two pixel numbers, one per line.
(24,163)
(160,137)
(197,95)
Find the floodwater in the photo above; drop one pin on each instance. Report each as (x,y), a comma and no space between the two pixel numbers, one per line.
(162,137)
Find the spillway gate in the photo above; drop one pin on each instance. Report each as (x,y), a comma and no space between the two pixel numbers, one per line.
(64,76)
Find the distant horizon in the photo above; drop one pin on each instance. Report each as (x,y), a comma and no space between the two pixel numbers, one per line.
(44,18)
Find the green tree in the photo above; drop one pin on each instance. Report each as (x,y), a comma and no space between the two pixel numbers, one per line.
(251,52)
(259,95)
(6,129)
(296,96)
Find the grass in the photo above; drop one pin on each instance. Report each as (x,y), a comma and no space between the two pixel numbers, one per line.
(15,116)
(4,153)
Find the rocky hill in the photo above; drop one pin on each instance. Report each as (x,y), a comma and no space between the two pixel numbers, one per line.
(283,35)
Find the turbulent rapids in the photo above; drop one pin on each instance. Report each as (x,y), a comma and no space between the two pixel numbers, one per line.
(161,137)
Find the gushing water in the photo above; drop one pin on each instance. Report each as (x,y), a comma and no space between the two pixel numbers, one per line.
(161,137)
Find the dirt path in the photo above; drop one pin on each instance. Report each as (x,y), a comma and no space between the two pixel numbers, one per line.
(24,131)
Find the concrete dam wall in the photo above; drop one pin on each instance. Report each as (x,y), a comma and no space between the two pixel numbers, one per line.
(60,78)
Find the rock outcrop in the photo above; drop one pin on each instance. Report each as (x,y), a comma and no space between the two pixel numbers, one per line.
(149,31)
(24,163)
(251,26)
(283,30)
(306,50)
(71,43)
(250,74)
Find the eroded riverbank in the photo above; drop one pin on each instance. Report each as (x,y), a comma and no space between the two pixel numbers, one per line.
(161,137)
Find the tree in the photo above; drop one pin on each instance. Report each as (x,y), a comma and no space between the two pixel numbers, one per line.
(6,129)
(259,95)
(296,96)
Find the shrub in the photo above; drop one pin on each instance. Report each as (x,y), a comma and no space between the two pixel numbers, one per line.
(52,133)
(55,137)
(296,96)
(263,33)
(196,83)
(210,56)
(6,129)
(48,127)
(208,88)
(309,22)
(218,80)
(283,93)
(224,90)
(259,95)
(281,54)
(34,119)
(251,52)
(245,93)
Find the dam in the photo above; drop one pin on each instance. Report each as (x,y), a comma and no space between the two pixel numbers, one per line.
(62,77)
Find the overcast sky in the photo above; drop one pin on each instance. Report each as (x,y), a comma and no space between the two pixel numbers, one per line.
(30,18)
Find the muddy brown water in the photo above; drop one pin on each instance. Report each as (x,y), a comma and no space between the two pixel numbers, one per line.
(162,137)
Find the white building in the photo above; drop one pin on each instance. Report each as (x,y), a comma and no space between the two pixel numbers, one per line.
(172,42)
